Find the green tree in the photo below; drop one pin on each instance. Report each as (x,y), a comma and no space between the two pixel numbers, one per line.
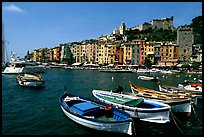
(186,66)
(197,29)
(195,65)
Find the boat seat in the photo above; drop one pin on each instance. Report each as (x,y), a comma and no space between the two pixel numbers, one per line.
(119,116)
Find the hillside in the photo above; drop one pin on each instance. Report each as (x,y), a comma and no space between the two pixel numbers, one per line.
(166,34)
(152,34)
(197,29)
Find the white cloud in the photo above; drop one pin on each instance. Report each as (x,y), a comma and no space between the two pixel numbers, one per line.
(13,8)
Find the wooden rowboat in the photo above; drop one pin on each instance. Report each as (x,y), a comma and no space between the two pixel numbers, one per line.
(180,91)
(179,103)
(30,80)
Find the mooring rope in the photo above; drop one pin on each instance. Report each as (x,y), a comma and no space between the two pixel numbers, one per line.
(175,122)
(186,125)
(133,124)
(196,114)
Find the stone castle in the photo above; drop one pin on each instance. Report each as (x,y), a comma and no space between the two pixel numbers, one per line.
(165,23)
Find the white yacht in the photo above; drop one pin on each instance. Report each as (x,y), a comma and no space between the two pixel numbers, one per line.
(16,66)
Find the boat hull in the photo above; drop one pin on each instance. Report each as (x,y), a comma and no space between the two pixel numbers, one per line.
(30,80)
(18,70)
(193,94)
(96,115)
(148,78)
(156,115)
(124,127)
(182,106)
(12,70)
(31,84)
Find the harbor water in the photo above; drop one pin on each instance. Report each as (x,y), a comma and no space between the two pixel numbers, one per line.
(30,111)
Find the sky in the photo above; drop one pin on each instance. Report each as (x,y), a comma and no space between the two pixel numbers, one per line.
(32,25)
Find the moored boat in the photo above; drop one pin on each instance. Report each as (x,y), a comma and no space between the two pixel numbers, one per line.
(180,91)
(96,115)
(154,78)
(143,109)
(166,71)
(191,86)
(180,104)
(16,66)
(30,80)
(142,71)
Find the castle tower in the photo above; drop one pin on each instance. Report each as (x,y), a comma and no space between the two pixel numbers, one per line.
(185,40)
(122,28)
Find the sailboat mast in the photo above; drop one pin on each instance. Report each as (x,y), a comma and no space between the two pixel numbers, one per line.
(3,45)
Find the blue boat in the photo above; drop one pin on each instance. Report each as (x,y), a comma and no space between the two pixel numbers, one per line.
(96,115)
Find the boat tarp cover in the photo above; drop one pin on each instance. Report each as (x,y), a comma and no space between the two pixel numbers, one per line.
(84,107)
(134,102)
(123,101)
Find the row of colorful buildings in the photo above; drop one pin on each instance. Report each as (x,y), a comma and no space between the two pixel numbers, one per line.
(107,50)
(104,53)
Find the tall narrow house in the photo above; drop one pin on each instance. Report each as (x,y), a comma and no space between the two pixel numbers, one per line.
(185,40)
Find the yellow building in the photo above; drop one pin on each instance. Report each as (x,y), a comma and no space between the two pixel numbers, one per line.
(107,53)
(102,54)
(54,53)
(127,55)
(77,51)
(111,50)
(149,50)
(35,55)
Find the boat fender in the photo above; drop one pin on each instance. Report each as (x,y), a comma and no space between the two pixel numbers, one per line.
(107,108)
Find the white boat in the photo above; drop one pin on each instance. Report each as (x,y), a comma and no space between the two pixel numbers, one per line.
(96,115)
(200,80)
(142,71)
(30,80)
(145,110)
(166,71)
(180,104)
(16,66)
(180,91)
(190,87)
(154,70)
(155,78)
